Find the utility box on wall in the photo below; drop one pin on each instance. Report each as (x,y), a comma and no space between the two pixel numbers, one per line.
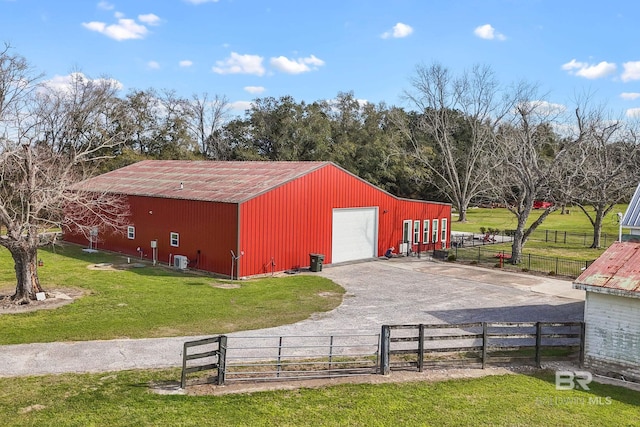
(180,262)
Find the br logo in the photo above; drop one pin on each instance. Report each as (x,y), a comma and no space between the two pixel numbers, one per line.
(569,380)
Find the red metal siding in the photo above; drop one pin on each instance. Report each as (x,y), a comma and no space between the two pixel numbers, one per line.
(208,227)
(291,221)
(283,225)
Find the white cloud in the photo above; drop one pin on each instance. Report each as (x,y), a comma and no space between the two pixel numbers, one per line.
(185,63)
(546,108)
(487,32)
(196,2)
(254,89)
(153,65)
(105,5)
(63,83)
(633,113)
(631,71)
(149,19)
(296,66)
(240,64)
(124,29)
(573,64)
(334,104)
(398,31)
(630,95)
(241,106)
(589,71)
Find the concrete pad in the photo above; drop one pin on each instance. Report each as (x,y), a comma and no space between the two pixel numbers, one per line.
(396,291)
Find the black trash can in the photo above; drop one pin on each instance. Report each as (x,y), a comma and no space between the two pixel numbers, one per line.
(316,262)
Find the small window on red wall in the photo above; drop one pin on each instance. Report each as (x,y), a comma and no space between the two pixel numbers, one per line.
(434,231)
(174,239)
(131,232)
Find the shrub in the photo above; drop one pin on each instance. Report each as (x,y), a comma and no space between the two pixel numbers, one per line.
(451,257)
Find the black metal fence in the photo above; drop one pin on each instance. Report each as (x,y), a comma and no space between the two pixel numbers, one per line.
(485,255)
(551,236)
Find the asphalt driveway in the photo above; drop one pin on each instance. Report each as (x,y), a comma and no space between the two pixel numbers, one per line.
(396,291)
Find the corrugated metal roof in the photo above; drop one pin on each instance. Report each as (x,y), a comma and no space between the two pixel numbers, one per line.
(617,269)
(631,217)
(231,182)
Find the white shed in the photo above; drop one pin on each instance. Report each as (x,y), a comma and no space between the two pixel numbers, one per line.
(612,311)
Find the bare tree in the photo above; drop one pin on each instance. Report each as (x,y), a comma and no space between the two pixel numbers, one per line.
(605,164)
(51,139)
(530,154)
(207,117)
(454,132)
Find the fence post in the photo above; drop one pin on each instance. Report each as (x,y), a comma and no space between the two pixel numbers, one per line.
(546,235)
(222,359)
(565,237)
(183,377)
(330,353)
(385,341)
(529,266)
(582,344)
(538,344)
(420,347)
(484,344)
(279,365)
(556,266)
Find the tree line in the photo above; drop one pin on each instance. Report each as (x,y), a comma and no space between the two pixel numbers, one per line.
(463,138)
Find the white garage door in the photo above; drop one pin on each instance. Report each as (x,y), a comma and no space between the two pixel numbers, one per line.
(355,234)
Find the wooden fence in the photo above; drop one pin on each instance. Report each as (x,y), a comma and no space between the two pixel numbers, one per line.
(212,356)
(417,346)
(398,347)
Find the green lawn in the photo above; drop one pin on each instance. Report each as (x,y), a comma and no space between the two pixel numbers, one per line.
(155,302)
(124,399)
(576,221)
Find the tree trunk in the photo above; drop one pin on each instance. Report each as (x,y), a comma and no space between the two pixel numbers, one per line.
(516,246)
(462,214)
(597,227)
(26,265)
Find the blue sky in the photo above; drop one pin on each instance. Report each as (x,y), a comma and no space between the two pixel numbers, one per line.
(312,50)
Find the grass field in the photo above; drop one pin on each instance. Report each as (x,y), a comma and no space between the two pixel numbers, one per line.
(124,399)
(576,221)
(155,302)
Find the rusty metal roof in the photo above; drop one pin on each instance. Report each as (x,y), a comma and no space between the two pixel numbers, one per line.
(616,271)
(230,182)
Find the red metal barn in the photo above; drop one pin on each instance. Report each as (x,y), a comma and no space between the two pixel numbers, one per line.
(269,215)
